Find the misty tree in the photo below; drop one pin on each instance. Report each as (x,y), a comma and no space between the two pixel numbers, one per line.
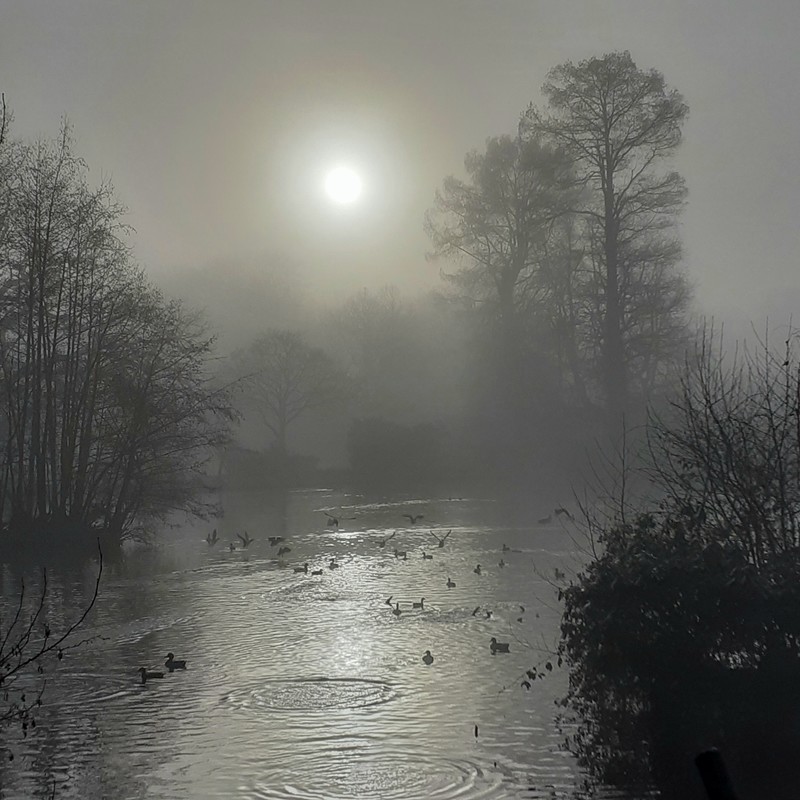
(283,377)
(494,226)
(107,408)
(619,124)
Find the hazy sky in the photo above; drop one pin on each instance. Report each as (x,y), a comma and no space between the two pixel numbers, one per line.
(217,120)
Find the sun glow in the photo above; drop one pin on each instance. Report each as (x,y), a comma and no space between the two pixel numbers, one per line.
(343,185)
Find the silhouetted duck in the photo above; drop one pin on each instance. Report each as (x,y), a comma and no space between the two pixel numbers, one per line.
(441,539)
(333,564)
(498,647)
(148,674)
(427,658)
(427,556)
(212,537)
(421,604)
(171,664)
(303,569)
(506,548)
(477,570)
(401,554)
(317,572)
(231,547)
(450,584)
(396,610)
(246,540)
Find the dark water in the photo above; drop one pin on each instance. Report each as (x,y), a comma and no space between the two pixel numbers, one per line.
(302,686)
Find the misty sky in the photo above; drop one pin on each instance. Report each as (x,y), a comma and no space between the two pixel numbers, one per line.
(217,120)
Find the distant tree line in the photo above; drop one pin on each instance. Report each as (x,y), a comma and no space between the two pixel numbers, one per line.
(107,406)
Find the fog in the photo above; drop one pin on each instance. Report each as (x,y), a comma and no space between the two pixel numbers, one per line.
(509,342)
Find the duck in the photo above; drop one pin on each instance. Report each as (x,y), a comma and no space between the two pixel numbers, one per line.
(477,570)
(441,539)
(498,647)
(421,604)
(231,547)
(488,615)
(427,658)
(246,539)
(396,610)
(401,554)
(414,518)
(273,540)
(212,537)
(317,572)
(451,584)
(146,674)
(282,551)
(427,556)
(171,664)
(303,569)
(333,564)
(506,548)
(501,563)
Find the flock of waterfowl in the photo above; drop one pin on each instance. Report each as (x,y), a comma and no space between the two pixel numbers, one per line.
(333,521)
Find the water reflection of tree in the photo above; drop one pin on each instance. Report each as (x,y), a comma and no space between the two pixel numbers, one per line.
(684,631)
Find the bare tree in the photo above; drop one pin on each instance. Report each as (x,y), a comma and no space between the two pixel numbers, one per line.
(283,377)
(619,123)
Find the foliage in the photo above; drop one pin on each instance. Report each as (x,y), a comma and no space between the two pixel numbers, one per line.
(684,631)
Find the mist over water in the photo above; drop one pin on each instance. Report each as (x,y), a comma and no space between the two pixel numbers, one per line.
(308,686)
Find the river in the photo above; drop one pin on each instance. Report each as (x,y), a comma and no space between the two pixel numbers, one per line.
(308,686)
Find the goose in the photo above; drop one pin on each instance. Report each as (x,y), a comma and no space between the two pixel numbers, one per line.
(333,564)
(414,518)
(246,539)
(212,537)
(273,540)
(282,551)
(427,556)
(421,604)
(382,542)
(303,569)
(317,572)
(477,570)
(498,647)
(146,673)
(450,584)
(441,539)
(171,664)
(427,658)
(401,554)
(396,610)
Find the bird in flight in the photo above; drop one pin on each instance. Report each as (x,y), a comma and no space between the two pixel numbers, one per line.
(441,539)
(561,510)
(246,539)
(333,522)
(212,537)
(414,517)
(382,542)
(273,540)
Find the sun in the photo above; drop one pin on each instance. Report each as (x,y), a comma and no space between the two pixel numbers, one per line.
(343,185)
